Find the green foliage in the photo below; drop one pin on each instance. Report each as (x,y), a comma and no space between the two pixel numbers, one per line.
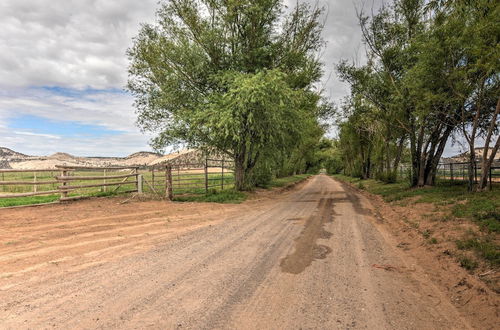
(234,76)
(432,72)
(387,177)
(28,200)
(263,174)
(285,181)
(224,196)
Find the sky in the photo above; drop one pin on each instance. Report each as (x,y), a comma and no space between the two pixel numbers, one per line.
(63,70)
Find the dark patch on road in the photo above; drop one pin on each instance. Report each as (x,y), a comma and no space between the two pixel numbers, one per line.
(306,248)
(352,196)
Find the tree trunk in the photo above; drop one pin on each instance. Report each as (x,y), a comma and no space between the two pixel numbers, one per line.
(399,154)
(239,176)
(433,159)
(239,170)
(415,160)
(470,167)
(487,161)
(421,170)
(486,166)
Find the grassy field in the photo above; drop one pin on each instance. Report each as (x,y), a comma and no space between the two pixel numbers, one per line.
(453,202)
(50,176)
(190,187)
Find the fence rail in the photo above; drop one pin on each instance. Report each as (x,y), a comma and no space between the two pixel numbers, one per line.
(27,183)
(189,178)
(458,171)
(74,182)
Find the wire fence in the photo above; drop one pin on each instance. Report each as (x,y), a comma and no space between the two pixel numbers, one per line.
(458,172)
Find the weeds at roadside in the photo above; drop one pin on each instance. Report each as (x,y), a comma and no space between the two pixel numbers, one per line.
(467,263)
(285,181)
(483,247)
(426,233)
(224,196)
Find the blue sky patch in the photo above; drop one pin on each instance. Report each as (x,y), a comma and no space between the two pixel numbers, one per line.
(71,129)
(78,93)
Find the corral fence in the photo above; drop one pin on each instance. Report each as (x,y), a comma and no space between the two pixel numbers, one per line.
(458,171)
(74,182)
(169,180)
(69,182)
(84,179)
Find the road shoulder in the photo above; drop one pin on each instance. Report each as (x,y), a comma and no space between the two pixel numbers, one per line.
(475,301)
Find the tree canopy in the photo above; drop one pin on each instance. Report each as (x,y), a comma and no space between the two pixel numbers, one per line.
(236,76)
(433,71)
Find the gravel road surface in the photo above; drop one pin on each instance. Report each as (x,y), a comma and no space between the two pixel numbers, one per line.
(310,258)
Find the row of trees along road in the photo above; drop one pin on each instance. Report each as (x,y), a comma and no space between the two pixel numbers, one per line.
(432,74)
(236,77)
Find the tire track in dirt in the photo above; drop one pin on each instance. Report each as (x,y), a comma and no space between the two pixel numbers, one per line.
(251,268)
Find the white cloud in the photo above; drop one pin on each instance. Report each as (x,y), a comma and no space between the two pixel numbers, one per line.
(80,44)
(48,136)
(70,43)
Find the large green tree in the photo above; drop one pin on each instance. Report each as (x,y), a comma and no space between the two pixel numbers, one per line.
(432,72)
(232,75)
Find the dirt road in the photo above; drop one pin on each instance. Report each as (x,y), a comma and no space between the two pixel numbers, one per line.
(310,258)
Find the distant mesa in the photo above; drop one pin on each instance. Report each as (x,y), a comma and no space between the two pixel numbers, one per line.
(144,154)
(15,160)
(61,156)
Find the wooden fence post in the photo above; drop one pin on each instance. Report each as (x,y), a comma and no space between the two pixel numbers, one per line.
(206,176)
(139,184)
(168,183)
(64,192)
(222,179)
(136,172)
(104,181)
(34,182)
(451,171)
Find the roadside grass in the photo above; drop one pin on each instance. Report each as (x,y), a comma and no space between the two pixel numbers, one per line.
(484,247)
(454,202)
(287,180)
(230,195)
(25,201)
(18,201)
(225,196)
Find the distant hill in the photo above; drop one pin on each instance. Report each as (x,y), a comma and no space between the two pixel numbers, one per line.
(464,157)
(16,160)
(6,153)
